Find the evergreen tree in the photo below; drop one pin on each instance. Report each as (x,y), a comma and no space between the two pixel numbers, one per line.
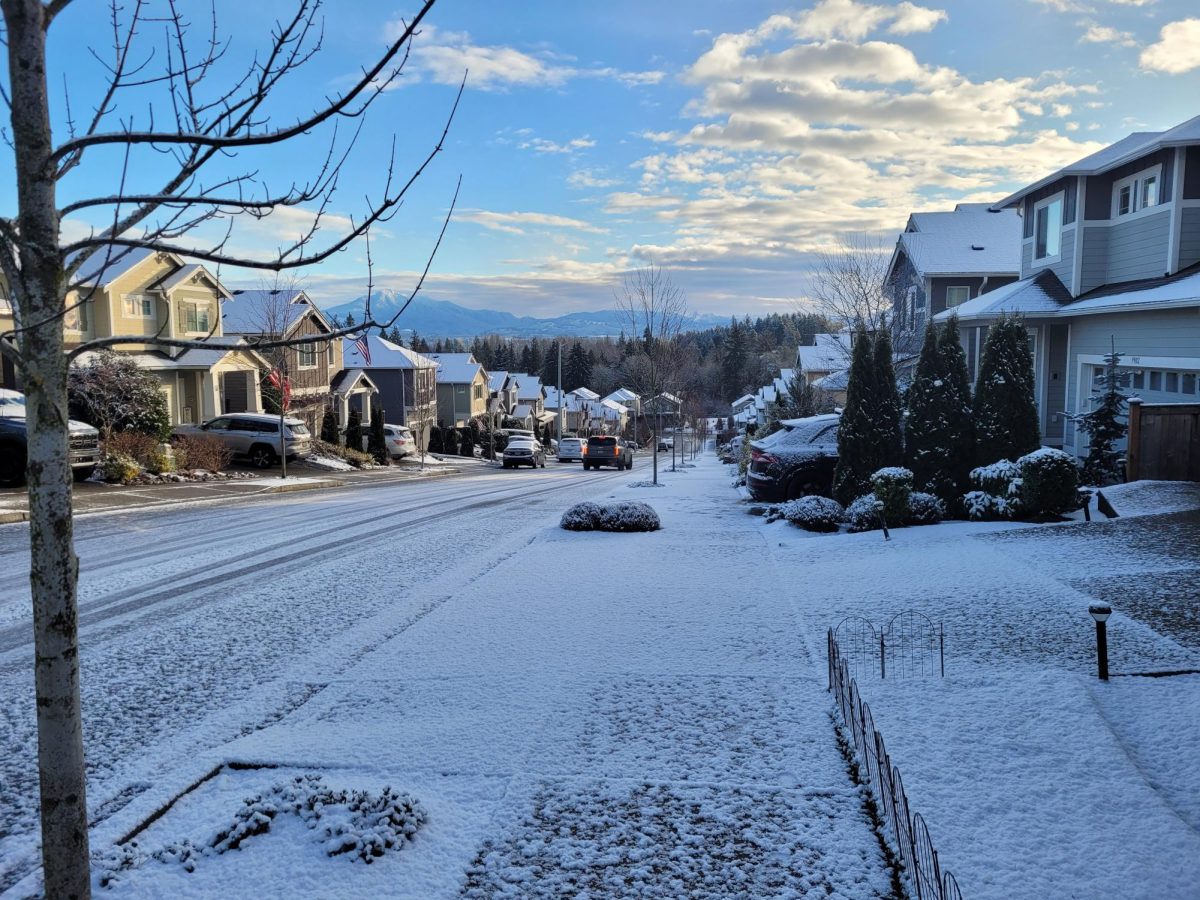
(869,436)
(960,427)
(535,361)
(502,358)
(439,347)
(926,449)
(329,427)
(349,321)
(435,439)
(526,361)
(466,442)
(354,430)
(888,408)
(1004,412)
(395,337)
(733,362)
(577,370)
(548,371)
(802,399)
(376,442)
(450,441)
(1104,427)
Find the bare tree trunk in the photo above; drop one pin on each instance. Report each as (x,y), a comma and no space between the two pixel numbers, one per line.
(54,568)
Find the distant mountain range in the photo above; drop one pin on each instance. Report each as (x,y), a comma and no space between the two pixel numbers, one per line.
(443,319)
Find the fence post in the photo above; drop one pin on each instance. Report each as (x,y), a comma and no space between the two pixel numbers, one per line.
(942,647)
(1133,452)
(882,662)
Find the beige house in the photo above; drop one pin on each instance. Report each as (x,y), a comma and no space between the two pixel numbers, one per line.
(146,293)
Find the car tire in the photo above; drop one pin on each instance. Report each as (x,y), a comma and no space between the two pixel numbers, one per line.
(82,474)
(262,456)
(12,465)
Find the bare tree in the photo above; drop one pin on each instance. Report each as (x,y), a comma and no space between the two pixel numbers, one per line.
(655,308)
(848,282)
(170,107)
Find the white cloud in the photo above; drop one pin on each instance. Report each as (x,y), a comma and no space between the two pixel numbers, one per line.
(1177,49)
(542,145)
(589,178)
(912,19)
(1104,34)
(522,222)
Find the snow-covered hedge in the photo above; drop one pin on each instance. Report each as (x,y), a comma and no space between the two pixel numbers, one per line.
(997,492)
(893,485)
(924,509)
(861,514)
(814,513)
(1049,482)
(998,479)
(627,515)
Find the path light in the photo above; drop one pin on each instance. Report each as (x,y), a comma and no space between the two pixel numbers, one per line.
(882,521)
(1100,614)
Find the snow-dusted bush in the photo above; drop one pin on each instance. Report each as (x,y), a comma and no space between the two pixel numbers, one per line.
(997,493)
(813,513)
(861,514)
(627,515)
(357,824)
(924,509)
(981,506)
(116,468)
(581,517)
(1049,482)
(893,485)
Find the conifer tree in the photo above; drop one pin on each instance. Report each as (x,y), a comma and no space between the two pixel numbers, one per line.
(354,431)
(802,399)
(329,428)
(925,434)
(376,442)
(577,369)
(888,408)
(450,440)
(435,439)
(856,431)
(960,428)
(549,368)
(1104,427)
(1004,411)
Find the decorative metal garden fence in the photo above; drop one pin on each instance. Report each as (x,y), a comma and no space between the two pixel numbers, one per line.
(905,829)
(909,646)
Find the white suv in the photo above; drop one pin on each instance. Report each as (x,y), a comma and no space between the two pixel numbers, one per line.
(570,449)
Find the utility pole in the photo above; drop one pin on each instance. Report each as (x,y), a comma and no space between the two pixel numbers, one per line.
(561,401)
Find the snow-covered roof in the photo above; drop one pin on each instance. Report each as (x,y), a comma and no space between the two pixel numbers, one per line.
(183,273)
(496,381)
(612,409)
(1159,293)
(522,411)
(251,312)
(528,386)
(831,351)
(585,393)
(742,401)
(1039,295)
(834,381)
(384,355)
(622,395)
(350,379)
(110,263)
(1125,150)
(970,240)
(456,368)
(218,347)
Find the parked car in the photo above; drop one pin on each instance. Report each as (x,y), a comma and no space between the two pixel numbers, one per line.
(570,449)
(798,459)
(665,444)
(523,451)
(84,442)
(606,450)
(254,436)
(399,441)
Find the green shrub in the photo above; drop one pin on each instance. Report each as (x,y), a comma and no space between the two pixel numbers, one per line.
(924,509)
(119,469)
(466,443)
(814,513)
(354,431)
(358,458)
(893,486)
(1049,482)
(862,515)
(329,427)
(450,441)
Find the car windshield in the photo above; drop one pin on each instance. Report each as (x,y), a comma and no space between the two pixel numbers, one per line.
(807,430)
(298,428)
(12,404)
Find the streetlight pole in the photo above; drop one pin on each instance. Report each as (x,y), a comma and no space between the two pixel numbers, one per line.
(560,393)
(1100,614)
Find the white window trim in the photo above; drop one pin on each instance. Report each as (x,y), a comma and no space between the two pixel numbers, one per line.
(1061,197)
(312,348)
(183,310)
(142,300)
(1134,183)
(955,287)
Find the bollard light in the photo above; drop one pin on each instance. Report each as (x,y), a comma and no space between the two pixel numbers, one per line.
(882,521)
(1100,613)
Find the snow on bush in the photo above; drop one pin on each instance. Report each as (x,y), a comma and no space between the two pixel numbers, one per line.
(997,494)
(627,515)
(813,513)
(924,509)
(861,514)
(998,479)
(119,469)
(1049,482)
(984,507)
(357,824)
(893,485)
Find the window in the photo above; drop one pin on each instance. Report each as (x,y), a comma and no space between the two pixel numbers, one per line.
(1156,381)
(1139,380)
(306,356)
(75,316)
(1187,383)
(139,306)
(1136,192)
(1047,228)
(957,294)
(1172,385)
(195,317)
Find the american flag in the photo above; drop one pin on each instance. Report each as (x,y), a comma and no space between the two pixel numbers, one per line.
(363,348)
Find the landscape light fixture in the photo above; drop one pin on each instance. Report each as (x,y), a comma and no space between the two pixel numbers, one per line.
(882,521)
(1100,613)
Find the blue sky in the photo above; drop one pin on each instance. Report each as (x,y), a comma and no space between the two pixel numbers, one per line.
(728,141)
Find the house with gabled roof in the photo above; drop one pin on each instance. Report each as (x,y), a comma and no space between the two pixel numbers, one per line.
(1109,258)
(406,379)
(462,388)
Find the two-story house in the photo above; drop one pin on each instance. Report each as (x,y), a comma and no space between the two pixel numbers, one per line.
(290,314)
(531,400)
(462,388)
(143,294)
(1110,257)
(406,381)
(502,386)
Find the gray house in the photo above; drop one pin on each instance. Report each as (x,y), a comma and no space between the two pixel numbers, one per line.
(406,382)
(1110,256)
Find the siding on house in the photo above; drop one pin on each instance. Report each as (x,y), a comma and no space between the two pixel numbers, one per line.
(1057,337)
(1098,204)
(1094,268)
(1064,268)
(937,290)
(1189,235)
(317,378)
(1138,248)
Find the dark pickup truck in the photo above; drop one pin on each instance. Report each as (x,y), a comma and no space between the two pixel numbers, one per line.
(85,442)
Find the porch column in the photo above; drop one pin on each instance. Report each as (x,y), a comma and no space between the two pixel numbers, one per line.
(210,394)
(254,390)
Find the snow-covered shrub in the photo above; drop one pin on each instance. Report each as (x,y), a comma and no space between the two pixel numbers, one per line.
(862,515)
(1049,482)
(117,468)
(997,493)
(924,509)
(814,513)
(627,515)
(581,517)
(998,479)
(980,506)
(893,485)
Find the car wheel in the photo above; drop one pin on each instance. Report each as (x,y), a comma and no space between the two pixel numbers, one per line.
(262,456)
(83,474)
(12,465)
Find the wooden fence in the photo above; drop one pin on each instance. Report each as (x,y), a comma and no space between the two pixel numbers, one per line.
(1164,441)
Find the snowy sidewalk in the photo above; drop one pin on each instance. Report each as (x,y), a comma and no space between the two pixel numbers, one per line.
(601,715)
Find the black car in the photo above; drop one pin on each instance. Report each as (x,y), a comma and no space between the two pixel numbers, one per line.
(606,450)
(798,459)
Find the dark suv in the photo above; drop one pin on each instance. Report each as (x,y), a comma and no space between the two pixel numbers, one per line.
(798,459)
(85,442)
(606,450)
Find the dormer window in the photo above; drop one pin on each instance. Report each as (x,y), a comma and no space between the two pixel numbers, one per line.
(1136,192)
(139,306)
(1047,228)
(195,317)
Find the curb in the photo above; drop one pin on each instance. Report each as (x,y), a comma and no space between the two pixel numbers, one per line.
(306,486)
(16,515)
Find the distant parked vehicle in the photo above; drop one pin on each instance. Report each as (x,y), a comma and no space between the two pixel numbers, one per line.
(522,451)
(254,436)
(798,459)
(84,442)
(399,441)
(606,450)
(570,449)
(665,444)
